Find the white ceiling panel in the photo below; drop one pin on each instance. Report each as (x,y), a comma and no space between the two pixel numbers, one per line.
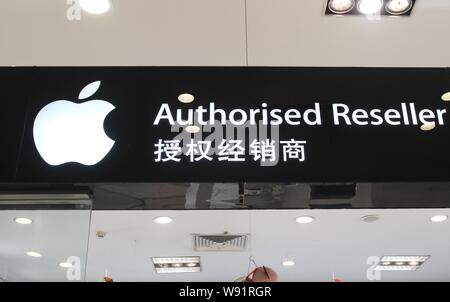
(336,242)
(296,33)
(55,234)
(137,32)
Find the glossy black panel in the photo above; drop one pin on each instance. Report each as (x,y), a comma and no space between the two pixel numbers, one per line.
(14,99)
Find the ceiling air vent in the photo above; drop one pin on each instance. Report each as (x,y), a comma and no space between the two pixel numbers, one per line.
(220,243)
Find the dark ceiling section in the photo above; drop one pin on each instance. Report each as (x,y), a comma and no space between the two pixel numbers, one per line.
(202,196)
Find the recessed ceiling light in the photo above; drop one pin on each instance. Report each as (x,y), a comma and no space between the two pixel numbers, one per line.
(23,220)
(96,7)
(33,254)
(370,218)
(446,97)
(370,7)
(186,98)
(65,265)
(305,219)
(341,6)
(192,129)
(439,218)
(428,126)
(163,220)
(288,263)
(398,7)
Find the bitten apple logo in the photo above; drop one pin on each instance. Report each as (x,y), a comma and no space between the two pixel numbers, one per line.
(65,131)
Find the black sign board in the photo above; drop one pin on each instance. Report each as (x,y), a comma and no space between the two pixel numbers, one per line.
(255,124)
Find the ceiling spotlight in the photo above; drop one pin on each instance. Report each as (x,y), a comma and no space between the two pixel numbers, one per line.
(96,7)
(428,126)
(370,7)
(439,218)
(398,7)
(446,97)
(288,263)
(65,265)
(162,220)
(186,98)
(23,220)
(192,129)
(33,254)
(304,219)
(341,6)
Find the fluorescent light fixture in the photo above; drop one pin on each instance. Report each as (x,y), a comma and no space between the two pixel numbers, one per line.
(404,258)
(96,7)
(288,263)
(439,218)
(65,265)
(341,6)
(186,98)
(33,254)
(398,7)
(192,129)
(305,219)
(163,220)
(395,268)
(401,263)
(23,220)
(167,265)
(369,7)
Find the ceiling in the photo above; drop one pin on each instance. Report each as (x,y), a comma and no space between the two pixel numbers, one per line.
(336,242)
(220,32)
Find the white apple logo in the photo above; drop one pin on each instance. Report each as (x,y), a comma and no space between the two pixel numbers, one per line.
(69,132)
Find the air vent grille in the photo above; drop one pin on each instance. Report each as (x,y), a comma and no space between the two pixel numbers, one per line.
(221,242)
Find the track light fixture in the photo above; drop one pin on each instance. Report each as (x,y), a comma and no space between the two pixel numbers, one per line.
(369,7)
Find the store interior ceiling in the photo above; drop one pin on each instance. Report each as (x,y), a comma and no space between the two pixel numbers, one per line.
(222,33)
(121,244)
